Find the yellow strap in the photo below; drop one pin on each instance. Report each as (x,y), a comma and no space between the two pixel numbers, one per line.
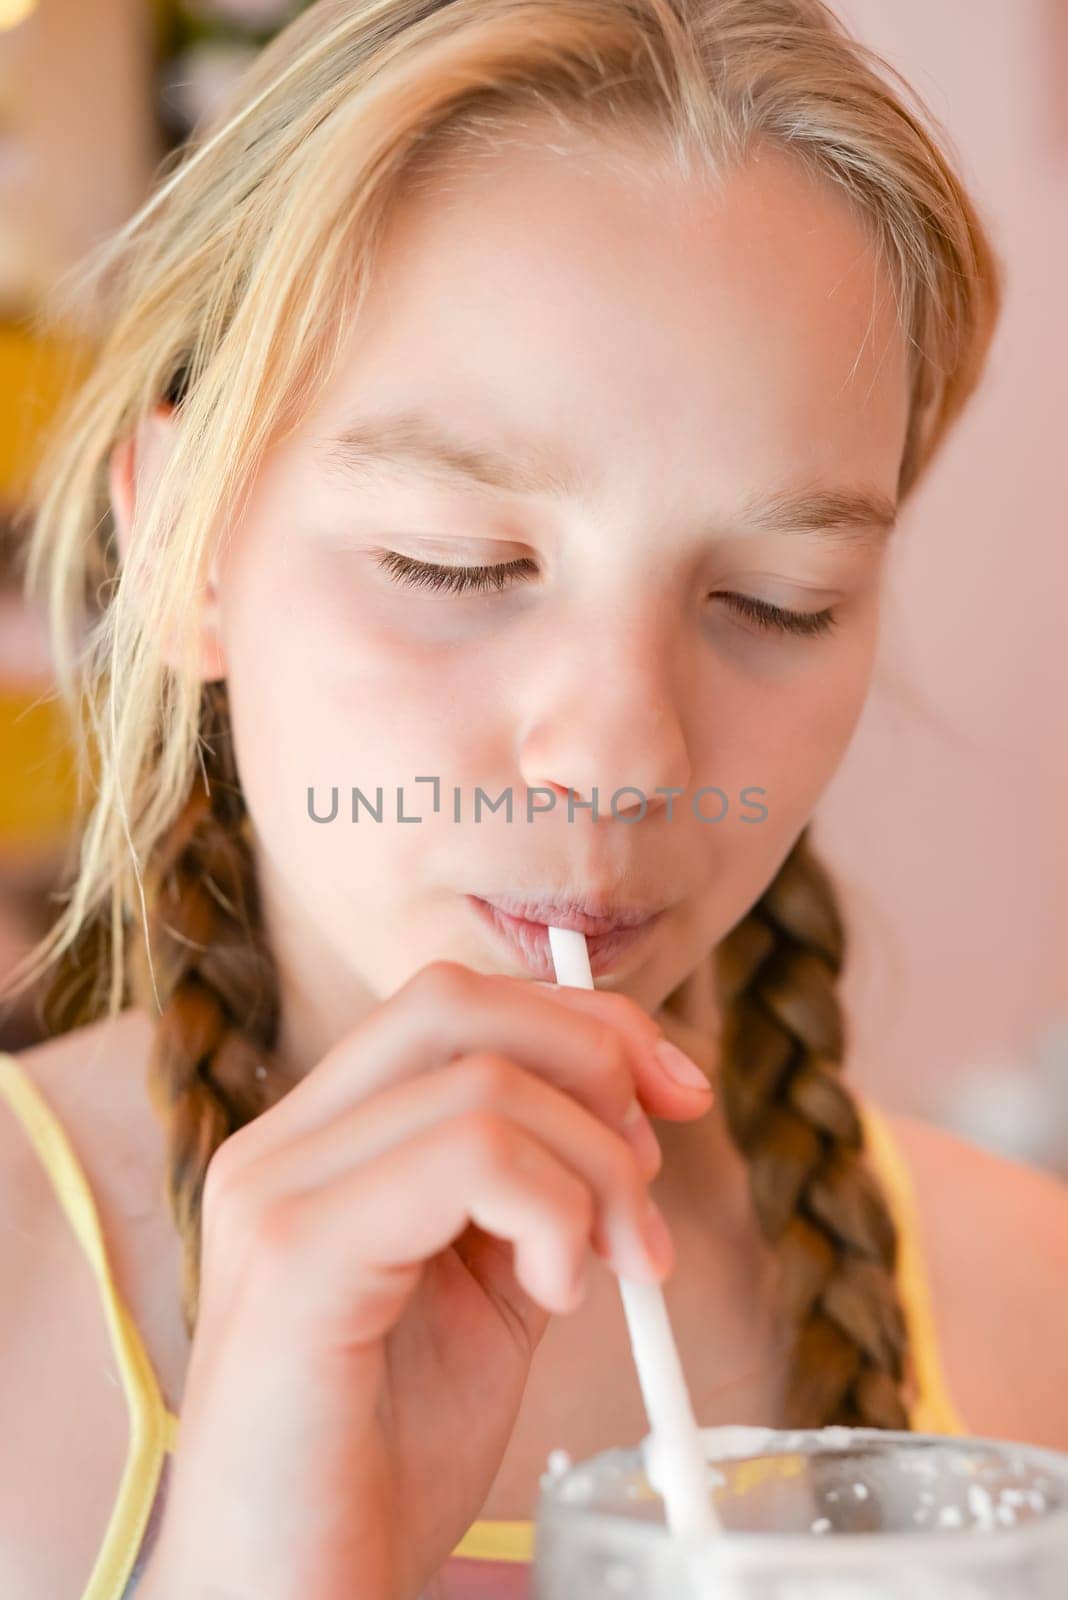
(497,1541)
(933,1410)
(153,1428)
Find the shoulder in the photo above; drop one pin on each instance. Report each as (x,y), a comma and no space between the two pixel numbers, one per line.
(993,1236)
(93,1080)
(117,1042)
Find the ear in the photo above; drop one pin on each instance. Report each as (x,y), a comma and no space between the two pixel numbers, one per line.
(134,466)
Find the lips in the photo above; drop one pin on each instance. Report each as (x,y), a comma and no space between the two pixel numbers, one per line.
(607,939)
(588,914)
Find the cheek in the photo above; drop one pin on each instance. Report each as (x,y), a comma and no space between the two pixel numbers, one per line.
(788,733)
(324,698)
(786,739)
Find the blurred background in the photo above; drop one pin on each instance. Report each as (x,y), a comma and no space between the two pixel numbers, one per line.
(947,825)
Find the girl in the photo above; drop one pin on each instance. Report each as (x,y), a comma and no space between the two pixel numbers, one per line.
(476,520)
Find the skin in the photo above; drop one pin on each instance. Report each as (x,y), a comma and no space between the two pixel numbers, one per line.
(684,350)
(733,348)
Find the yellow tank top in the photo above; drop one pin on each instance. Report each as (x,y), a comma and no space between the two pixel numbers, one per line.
(154,1429)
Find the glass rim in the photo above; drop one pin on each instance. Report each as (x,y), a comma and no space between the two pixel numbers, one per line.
(769,1549)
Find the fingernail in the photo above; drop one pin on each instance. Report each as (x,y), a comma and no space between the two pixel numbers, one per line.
(643,1141)
(680,1067)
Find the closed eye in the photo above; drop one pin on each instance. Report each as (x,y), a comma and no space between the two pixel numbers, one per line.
(425,575)
(808,624)
(428,575)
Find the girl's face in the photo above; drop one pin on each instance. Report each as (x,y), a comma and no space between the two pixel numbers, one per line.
(669,421)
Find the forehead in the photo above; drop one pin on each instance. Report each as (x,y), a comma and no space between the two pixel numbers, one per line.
(656,330)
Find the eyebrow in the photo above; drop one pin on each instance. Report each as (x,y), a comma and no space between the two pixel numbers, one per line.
(409,440)
(847,515)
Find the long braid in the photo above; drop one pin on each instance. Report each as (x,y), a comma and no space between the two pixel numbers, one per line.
(211,981)
(795,1121)
(209,1071)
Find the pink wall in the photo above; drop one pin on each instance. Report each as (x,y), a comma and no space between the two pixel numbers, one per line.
(947,826)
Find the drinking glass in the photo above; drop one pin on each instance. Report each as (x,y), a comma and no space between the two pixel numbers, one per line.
(815,1514)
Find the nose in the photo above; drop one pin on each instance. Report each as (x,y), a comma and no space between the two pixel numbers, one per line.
(606,717)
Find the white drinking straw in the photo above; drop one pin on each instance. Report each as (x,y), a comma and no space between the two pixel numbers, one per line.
(676,1438)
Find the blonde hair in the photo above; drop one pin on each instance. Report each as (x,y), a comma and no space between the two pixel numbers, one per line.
(230,292)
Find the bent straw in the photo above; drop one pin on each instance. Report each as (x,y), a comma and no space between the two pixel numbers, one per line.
(676,1438)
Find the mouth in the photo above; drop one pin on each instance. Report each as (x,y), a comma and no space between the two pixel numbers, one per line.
(522,924)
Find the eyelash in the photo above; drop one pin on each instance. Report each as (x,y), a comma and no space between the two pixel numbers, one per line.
(425,575)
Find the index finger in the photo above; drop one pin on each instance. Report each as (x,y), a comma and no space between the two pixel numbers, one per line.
(464,1011)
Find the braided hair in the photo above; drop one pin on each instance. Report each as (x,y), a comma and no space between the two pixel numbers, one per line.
(209,1068)
(211,978)
(794,1120)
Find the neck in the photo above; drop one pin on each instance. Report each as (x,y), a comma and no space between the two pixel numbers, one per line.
(702,1166)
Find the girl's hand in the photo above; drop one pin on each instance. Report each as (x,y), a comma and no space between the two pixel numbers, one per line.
(381,1251)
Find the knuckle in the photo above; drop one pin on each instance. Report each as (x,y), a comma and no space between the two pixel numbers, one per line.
(229,1219)
(488,1079)
(608,1062)
(275,1230)
(443,984)
(489,1140)
(220,1175)
(624,1009)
